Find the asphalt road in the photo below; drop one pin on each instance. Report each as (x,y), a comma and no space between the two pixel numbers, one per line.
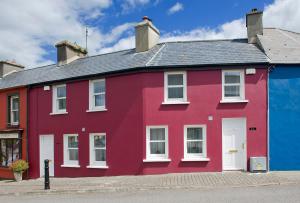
(275,193)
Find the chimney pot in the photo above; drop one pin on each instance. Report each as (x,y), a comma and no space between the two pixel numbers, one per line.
(146,35)
(254,25)
(7,67)
(68,52)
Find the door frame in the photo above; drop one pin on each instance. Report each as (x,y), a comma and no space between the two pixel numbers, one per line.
(245,141)
(40,136)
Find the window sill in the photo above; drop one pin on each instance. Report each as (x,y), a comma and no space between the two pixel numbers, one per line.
(175,102)
(194,159)
(156,160)
(98,167)
(58,113)
(233,101)
(96,110)
(70,166)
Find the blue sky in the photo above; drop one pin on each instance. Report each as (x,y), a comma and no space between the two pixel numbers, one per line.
(30,29)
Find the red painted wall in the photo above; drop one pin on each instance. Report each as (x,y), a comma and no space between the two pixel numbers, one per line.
(6,172)
(134,101)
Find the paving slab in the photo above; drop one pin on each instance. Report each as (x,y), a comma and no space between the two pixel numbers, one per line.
(148,182)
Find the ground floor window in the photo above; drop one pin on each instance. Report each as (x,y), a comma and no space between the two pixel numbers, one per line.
(194,141)
(98,149)
(10,150)
(157,142)
(71,149)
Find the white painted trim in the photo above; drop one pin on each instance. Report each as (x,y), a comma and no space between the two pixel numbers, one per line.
(92,148)
(98,110)
(242,86)
(204,140)
(98,167)
(55,109)
(156,160)
(176,103)
(233,101)
(70,166)
(166,99)
(58,113)
(198,159)
(92,107)
(157,157)
(67,162)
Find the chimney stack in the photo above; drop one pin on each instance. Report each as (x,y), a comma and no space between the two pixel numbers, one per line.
(146,35)
(7,67)
(254,23)
(68,52)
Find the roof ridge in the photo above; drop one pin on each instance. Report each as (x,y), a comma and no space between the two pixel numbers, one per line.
(158,51)
(275,28)
(206,40)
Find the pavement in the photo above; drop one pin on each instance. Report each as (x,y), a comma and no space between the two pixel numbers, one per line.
(132,184)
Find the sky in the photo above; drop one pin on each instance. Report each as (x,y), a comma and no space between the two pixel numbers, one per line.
(30,29)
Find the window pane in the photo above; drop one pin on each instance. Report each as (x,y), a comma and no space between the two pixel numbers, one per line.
(99,141)
(99,86)
(232,91)
(232,77)
(176,79)
(15,103)
(16,149)
(61,104)
(3,156)
(61,91)
(100,100)
(157,134)
(73,142)
(194,147)
(15,117)
(9,146)
(157,148)
(73,154)
(194,134)
(175,92)
(100,155)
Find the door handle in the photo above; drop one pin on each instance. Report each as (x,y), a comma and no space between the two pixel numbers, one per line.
(233,151)
(243,146)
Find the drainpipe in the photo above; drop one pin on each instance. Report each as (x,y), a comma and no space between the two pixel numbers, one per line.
(27,130)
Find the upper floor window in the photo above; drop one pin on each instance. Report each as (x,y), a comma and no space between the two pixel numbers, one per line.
(71,150)
(97,150)
(157,143)
(233,85)
(59,99)
(175,87)
(97,95)
(13,109)
(194,142)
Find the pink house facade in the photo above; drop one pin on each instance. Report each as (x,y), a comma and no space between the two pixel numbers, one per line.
(145,132)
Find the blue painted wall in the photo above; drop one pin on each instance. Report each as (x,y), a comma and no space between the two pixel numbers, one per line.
(284,104)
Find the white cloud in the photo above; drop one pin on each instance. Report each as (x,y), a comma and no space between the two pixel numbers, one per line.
(128,5)
(175,8)
(31,26)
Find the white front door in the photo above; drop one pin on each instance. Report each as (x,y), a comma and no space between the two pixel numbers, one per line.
(234,143)
(46,152)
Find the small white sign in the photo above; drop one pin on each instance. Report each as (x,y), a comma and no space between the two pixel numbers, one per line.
(210,118)
(47,88)
(250,71)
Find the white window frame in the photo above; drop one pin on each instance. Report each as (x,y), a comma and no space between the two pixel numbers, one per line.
(67,162)
(242,86)
(14,110)
(55,109)
(196,156)
(92,106)
(93,163)
(166,88)
(156,157)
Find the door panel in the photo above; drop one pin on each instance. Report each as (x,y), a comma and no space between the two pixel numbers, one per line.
(47,152)
(234,143)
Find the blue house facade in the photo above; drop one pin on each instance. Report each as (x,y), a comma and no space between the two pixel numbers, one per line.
(284,118)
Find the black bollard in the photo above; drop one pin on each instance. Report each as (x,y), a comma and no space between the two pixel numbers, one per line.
(47,180)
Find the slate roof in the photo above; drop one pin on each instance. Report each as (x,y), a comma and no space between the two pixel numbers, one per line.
(281,46)
(168,54)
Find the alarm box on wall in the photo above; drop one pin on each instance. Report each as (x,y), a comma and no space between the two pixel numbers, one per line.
(258,164)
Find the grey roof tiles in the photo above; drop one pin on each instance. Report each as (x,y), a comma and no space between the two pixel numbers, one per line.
(218,52)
